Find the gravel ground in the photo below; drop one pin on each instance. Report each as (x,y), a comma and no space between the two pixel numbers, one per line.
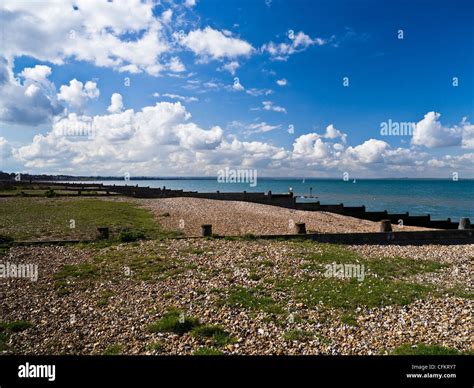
(75,324)
(229,218)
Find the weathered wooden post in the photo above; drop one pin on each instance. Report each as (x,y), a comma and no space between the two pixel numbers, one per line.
(300,228)
(385,226)
(206,230)
(103,233)
(464,223)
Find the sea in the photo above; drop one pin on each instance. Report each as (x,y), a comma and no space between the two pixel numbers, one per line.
(442,198)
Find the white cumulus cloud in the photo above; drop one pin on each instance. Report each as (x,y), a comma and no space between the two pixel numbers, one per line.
(116,103)
(209,43)
(30,102)
(371,151)
(76,93)
(86,30)
(430,133)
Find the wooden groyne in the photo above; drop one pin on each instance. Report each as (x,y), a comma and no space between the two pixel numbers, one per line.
(287,200)
(395,218)
(443,237)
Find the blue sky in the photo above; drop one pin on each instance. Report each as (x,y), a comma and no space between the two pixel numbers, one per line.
(224,81)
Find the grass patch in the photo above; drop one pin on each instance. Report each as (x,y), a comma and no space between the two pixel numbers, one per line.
(82,270)
(383,283)
(3,342)
(131,235)
(349,294)
(50,218)
(398,267)
(349,319)
(174,321)
(68,274)
(141,262)
(193,251)
(254,276)
(62,287)
(216,334)
(15,326)
(425,350)
(104,298)
(6,328)
(460,291)
(155,347)
(298,335)
(319,255)
(50,194)
(113,350)
(251,298)
(205,351)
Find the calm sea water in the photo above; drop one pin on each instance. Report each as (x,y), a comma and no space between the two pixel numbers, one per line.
(440,198)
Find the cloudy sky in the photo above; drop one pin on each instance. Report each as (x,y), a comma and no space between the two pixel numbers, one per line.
(187,87)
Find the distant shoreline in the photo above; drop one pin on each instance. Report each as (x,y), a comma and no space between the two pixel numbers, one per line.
(71,178)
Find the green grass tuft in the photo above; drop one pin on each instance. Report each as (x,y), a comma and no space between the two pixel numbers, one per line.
(113,350)
(6,328)
(15,326)
(174,321)
(3,342)
(349,319)
(155,347)
(251,298)
(82,270)
(425,350)
(50,194)
(104,298)
(217,334)
(298,335)
(131,235)
(204,351)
